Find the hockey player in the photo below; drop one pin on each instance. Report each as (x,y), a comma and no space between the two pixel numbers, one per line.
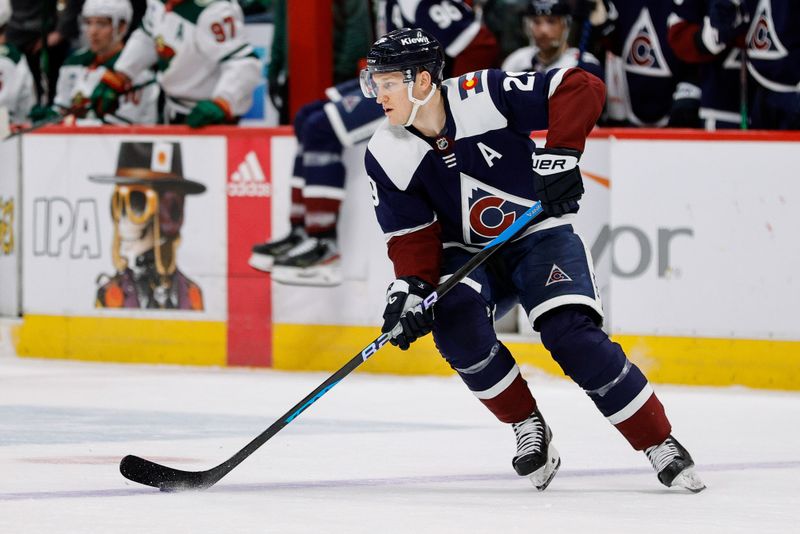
(207,70)
(105,24)
(310,253)
(547,23)
(647,84)
(16,83)
(695,38)
(773,58)
(450,168)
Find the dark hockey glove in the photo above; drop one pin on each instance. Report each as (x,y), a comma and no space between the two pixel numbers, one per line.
(557,179)
(404,308)
(43,113)
(105,97)
(725,16)
(685,110)
(208,112)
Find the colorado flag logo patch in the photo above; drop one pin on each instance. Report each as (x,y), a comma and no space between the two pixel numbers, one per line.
(469,84)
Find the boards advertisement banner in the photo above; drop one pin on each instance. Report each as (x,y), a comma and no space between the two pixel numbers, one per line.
(9,228)
(705,249)
(125,226)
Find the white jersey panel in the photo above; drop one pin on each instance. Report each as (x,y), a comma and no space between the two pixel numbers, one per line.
(399,152)
(16,87)
(201,60)
(477,114)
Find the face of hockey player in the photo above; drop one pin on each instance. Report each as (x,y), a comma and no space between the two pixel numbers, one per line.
(393,96)
(549,32)
(100,34)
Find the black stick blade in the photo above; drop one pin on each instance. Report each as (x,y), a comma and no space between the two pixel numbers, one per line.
(163,477)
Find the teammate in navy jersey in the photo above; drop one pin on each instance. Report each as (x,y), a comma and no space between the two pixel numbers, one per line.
(649,86)
(451,167)
(310,253)
(695,38)
(773,58)
(547,24)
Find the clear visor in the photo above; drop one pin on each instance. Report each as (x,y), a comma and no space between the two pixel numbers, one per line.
(387,83)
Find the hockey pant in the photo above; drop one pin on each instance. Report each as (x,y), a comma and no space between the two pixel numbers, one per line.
(318,173)
(464,334)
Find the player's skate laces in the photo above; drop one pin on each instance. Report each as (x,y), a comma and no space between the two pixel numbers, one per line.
(674,465)
(263,255)
(314,261)
(536,457)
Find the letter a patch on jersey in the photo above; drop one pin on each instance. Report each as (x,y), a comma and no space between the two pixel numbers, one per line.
(469,84)
(556,276)
(642,51)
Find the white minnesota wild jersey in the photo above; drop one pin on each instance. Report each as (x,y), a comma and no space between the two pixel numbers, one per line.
(16,83)
(82,71)
(200,51)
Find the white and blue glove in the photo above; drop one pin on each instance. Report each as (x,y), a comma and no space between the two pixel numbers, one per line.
(405,316)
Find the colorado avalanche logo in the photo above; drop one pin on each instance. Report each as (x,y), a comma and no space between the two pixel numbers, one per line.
(762,39)
(643,54)
(487,211)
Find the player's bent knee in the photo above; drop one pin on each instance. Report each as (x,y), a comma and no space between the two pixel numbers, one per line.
(582,349)
(463,329)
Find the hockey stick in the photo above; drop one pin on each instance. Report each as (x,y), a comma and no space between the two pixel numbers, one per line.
(743,111)
(77,109)
(169,479)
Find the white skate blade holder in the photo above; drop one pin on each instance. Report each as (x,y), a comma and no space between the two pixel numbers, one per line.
(542,477)
(318,275)
(688,479)
(261,262)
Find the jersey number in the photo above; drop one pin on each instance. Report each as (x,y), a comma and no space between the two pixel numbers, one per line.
(218,29)
(373,188)
(444,14)
(518,83)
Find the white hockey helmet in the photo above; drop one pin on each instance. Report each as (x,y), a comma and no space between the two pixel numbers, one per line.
(117,10)
(5,12)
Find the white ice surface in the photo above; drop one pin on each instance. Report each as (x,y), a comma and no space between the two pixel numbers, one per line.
(376,454)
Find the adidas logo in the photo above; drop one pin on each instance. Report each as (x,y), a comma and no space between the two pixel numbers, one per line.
(249,180)
(557,275)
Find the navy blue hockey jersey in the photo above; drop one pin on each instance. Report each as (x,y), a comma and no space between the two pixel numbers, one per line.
(651,69)
(452,22)
(475,178)
(773,43)
(720,65)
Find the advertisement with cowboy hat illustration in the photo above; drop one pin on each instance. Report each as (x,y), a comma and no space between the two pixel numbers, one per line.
(147,210)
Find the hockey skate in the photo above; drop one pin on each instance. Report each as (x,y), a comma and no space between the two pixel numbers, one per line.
(674,465)
(263,255)
(536,458)
(313,262)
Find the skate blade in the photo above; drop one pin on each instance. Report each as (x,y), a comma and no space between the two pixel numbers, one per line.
(688,479)
(261,262)
(542,477)
(323,276)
